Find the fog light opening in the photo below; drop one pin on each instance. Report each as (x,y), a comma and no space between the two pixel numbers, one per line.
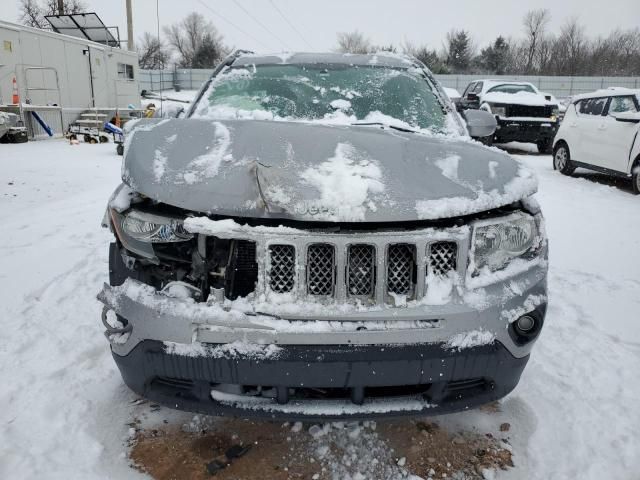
(525,324)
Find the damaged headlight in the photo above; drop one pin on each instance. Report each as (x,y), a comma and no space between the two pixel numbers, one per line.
(140,231)
(496,242)
(146,227)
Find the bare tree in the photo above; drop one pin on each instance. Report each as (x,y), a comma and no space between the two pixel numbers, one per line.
(535,23)
(188,35)
(353,42)
(152,53)
(31,14)
(52,7)
(570,48)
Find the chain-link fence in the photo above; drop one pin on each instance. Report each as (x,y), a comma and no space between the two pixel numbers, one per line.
(192,79)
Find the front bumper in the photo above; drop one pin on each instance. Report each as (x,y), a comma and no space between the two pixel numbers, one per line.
(517,130)
(395,361)
(305,382)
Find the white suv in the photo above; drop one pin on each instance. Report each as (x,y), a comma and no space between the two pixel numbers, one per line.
(600,131)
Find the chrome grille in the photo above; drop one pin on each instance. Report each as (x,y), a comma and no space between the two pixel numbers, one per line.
(442,257)
(282,268)
(361,276)
(400,268)
(321,269)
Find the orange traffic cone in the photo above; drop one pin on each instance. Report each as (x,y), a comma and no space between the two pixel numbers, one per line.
(16,97)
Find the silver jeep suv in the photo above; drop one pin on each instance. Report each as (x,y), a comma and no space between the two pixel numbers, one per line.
(320,237)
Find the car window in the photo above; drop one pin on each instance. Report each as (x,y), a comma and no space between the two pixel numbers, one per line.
(592,106)
(477,88)
(469,89)
(511,88)
(622,104)
(323,92)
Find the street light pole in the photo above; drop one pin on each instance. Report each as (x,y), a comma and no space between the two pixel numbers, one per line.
(130,45)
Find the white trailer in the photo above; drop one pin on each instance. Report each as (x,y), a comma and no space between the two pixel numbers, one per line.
(62,76)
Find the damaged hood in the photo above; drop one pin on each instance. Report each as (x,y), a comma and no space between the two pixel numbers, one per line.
(317,172)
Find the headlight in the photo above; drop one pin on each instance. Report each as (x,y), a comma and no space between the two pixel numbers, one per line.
(500,110)
(555,112)
(150,228)
(496,242)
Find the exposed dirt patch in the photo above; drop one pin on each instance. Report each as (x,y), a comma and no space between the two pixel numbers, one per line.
(369,450)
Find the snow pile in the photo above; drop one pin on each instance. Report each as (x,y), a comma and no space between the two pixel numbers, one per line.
(341,104)
(474,338)
(523,185)
(449,166)
(347,183)
(322,407)
(207,164)
(236,349)
(229,227)
(354,451)
(519,98)
(160,159)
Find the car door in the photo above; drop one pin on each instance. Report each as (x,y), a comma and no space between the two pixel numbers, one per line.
(591,118)
(617,137)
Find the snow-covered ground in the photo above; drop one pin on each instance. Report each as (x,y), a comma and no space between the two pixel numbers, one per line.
(64,409)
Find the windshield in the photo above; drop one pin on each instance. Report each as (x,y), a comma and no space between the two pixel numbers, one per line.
(510,88)
(336,93)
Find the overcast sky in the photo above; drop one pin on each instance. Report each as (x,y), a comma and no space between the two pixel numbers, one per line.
(397,21)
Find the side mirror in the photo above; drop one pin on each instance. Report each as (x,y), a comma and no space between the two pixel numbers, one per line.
(480,123)
(180,112)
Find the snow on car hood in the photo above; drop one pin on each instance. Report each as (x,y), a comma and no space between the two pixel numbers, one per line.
(305,171)
(520,98)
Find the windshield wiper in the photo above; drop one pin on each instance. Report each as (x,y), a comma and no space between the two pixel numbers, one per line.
(387,125)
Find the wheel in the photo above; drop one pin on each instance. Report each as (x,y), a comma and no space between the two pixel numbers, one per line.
(73,136)
(87,138)
(545,146)
(562,159)
(103,139)
(120,149)
(635,177)
(93,140)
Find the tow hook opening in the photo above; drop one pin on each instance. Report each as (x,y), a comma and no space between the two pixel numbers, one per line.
(117,329)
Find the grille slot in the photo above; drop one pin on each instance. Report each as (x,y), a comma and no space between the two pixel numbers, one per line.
(401,268)
(282,268)
(361,270)
(321,261)
(442,257)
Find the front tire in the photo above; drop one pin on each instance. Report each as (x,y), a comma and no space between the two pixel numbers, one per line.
(635,177)
(562,159)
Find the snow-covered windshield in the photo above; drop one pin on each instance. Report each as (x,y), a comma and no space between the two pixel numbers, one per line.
(344,93)
(511,88)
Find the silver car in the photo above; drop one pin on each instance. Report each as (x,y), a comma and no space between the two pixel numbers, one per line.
(319,237)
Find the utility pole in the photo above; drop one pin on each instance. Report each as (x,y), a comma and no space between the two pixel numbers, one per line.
(60,7)
(130,45)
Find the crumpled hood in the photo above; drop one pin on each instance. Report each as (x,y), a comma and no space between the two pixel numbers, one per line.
(308,171)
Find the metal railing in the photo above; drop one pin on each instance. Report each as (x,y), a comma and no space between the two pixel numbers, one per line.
(192,79)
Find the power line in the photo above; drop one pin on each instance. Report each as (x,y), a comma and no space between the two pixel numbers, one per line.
(260,23)
(230,22)
(293,27)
